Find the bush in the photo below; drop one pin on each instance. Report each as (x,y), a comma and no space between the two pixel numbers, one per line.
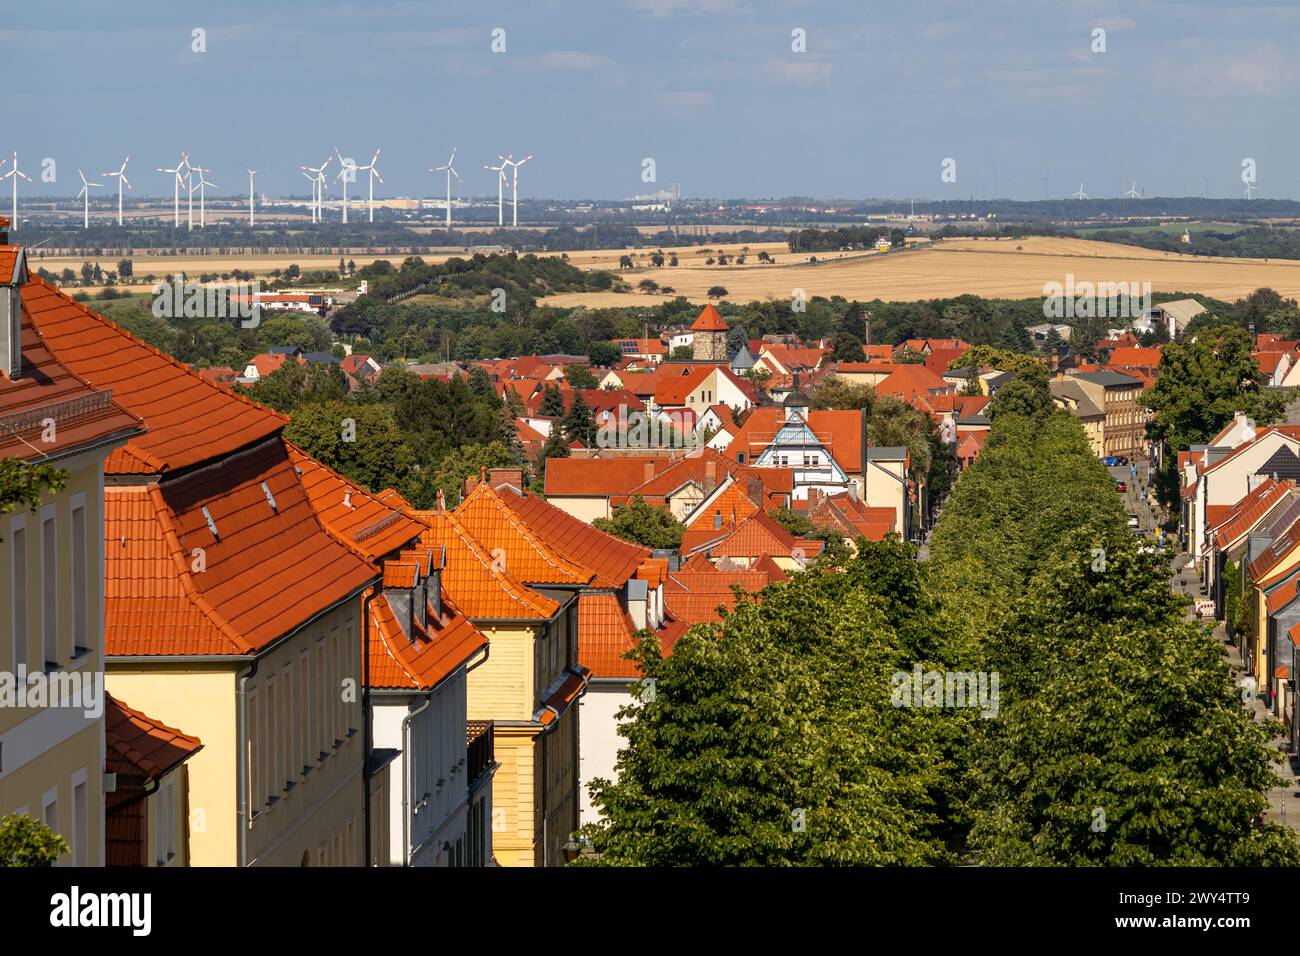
(28,842)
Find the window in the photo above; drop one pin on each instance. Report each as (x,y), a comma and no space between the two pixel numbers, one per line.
(305,738)
(49,592)
(79,597)
(254,753)
(19,583)
(80,819)
(322,685)
(50,809)
(288,726)
(270,746)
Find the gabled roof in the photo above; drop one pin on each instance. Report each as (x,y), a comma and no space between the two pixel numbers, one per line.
(839,430)
(601,477)
(173,588)
(428,656)
(1251,510)
(850,516)
(486,516)
(611,559)
(760,534)
(353,516)
(710,320)
(478,585)
(189,420)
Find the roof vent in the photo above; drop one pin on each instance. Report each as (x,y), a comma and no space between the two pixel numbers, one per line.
(270,498)
(212,525)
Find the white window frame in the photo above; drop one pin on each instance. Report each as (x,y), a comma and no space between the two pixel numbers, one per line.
(79,834)
(18,586)
(80,596)
(49,514)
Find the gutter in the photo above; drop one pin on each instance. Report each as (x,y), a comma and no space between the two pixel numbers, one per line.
(366,715)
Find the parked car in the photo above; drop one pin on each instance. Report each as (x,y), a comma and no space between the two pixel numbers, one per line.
(1121,460)
(1121,486)
(1133,520)
(1110,460)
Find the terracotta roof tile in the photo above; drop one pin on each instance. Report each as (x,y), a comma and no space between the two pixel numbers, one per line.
(478,585)
(611,559)
(1250,510)
(760,534)
(600,477)
(189,420)
(421,661)
(138,746)
(710,320)
(525,555)
(267,570)
(605,634)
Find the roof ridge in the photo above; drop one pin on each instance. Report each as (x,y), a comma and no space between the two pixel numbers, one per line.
(544,550)
(169,359)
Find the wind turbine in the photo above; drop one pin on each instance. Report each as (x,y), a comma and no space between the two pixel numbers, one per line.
(514,202)
(1132,192)
(374,174)
(251,174)
(501,180)
(203,181)
(451,171)
(121,178)
(86,187)
(1250,189)
(184,165)
(311,177)
(318,186)
(14,174)
(1080,194)
(345,168)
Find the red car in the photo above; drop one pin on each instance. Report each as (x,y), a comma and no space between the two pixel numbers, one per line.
(1121,486)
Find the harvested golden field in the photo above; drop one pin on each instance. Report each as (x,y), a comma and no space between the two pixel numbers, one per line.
(195,266)
(986,267)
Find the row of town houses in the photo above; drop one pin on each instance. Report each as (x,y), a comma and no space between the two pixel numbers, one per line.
(295,670)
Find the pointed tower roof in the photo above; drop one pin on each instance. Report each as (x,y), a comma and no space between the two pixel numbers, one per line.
(710,320)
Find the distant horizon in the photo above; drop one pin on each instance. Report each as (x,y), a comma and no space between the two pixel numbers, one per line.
(725,97)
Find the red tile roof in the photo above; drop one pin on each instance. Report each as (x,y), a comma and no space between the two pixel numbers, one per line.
(600,477)
(189,420)
(841,431)
(611,559)
(139,747)
(575,682)
(352,515)
(760,534)
(172,588)
(48,389)
(710,320)
(421,661)
(1250,510)
(476,581)
(605,634)
(527,557)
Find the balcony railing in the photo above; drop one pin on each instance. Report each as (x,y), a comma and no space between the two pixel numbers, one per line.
(480,755)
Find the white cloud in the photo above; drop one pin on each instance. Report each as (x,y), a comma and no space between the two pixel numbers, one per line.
(577,60)
(799,73)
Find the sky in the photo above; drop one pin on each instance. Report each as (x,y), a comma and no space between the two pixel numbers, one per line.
(713,91)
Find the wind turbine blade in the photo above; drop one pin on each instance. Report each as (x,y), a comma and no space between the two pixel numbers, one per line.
(127,181)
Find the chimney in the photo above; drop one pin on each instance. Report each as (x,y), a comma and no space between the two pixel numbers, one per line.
(756,491)
(11,316)
(433,586)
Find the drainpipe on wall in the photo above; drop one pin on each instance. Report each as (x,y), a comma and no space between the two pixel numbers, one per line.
(366,718)
(407,756)
(241,775)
